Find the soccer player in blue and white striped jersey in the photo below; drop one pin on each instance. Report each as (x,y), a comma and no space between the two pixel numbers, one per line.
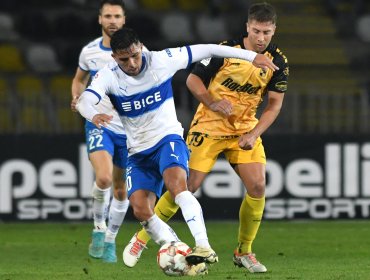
(139,87)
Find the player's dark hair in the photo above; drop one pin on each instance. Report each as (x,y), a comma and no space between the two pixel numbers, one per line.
(123,38)
(262,12)
(113,3)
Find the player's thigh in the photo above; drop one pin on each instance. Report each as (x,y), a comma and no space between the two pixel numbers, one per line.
(175,180)
(195,179)
(253,177)
(142,203)
(249,165)
(203,151)
(236,155)
(101,161)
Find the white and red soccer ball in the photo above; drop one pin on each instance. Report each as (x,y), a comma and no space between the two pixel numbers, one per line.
(171,258)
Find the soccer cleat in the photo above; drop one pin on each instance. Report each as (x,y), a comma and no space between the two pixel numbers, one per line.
(133,250)
(201,255)
(195,270)
(109,254)
(96,247)
(249,261)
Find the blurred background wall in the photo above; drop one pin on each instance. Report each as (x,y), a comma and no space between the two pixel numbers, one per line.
(327,43)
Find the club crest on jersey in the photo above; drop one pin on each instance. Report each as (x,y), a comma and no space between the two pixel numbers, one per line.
(141,103)
(263,73)
(95,76)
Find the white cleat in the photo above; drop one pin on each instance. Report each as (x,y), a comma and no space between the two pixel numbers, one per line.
(201,255)
(197,269)
(250,262)
(133,250)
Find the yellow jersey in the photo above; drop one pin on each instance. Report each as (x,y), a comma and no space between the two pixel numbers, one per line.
(243,84)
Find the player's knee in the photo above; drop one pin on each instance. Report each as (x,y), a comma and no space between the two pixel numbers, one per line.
(257,189)
(193,187)
(175,186)
(104,181)
(142,213)
(195,180)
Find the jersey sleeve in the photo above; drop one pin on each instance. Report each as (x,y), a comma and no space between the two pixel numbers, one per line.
(207,68)
(175,59)
(101,83)
(82,61)
(279,80)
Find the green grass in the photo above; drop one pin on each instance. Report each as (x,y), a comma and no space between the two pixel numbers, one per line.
(290,250)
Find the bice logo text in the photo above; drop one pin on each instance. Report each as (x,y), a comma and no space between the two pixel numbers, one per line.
(141,103)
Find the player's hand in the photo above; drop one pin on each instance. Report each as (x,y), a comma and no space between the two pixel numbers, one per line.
(246,141)
(222,106)
(262,61)
(74,103)
(101,120)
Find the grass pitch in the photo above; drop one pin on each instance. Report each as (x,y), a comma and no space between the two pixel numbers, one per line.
(290,250)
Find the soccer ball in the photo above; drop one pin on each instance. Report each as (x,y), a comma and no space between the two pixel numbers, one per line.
(171,258)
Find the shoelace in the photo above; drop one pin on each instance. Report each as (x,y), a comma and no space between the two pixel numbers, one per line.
(252,258)
(137,247)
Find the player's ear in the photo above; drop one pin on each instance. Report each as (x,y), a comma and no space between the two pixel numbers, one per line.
(274,28)
(99,19)
(247,26)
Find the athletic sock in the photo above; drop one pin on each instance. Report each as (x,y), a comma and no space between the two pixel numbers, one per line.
(250,216)
(193,215)
(159,231)
(117,213)
(165,209)
(98,195)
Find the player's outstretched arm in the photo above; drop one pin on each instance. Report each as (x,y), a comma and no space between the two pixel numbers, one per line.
(86,107)
(202,51)
(79,84)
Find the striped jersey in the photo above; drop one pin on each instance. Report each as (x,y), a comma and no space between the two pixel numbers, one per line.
(144,102)
(243,84)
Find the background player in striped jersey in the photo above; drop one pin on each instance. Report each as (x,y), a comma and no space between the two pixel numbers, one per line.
(139,86)
(106,146)
(230,91)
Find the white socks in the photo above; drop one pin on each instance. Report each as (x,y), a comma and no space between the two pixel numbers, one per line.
(98,195)
(159,231)
(193,215)
(117,213)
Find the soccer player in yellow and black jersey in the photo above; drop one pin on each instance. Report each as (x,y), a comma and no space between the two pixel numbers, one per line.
(230,91)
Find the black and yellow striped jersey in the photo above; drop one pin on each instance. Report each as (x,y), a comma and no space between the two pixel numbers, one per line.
(242,84)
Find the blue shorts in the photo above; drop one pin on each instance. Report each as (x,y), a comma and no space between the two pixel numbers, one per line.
(144,170)
(106,140)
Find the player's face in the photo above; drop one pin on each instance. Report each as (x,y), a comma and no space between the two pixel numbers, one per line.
(259,35)
(111,19)
(130,59)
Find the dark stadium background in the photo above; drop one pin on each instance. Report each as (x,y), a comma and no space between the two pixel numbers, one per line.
(319,148)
